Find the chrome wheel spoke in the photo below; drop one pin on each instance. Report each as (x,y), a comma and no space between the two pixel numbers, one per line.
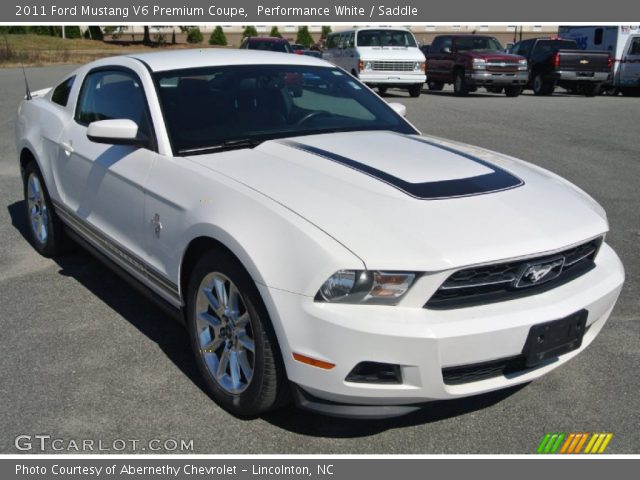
(234,302)
(209,319)
(242,321)
(234,367)
(243,361)
(246,342)
(221,293)
(223,364)
(213,301)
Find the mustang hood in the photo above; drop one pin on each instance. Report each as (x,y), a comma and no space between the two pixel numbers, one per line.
(405,202)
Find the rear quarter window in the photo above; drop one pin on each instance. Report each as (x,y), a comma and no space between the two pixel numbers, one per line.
(61,93)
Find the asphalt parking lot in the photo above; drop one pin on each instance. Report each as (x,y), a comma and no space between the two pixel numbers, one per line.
(83,356)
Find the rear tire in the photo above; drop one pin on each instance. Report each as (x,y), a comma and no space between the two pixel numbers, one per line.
(460,86)
(541,86)
(591,90)
(415,90)
(46,230)
(231,335)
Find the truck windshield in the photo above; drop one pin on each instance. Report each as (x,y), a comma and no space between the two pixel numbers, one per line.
(478,44)
(219,108)
(385,38)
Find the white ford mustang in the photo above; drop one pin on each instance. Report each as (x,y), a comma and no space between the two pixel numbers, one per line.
(313,242)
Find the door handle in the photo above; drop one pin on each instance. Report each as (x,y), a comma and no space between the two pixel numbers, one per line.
(67,147)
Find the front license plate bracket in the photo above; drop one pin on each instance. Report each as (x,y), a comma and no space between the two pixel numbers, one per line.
(552,339)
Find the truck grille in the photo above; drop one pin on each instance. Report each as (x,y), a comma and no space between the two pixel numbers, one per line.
(501,67)
(381,66)
(504,281)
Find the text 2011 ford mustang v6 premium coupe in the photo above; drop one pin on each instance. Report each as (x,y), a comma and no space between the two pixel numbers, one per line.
(312,241)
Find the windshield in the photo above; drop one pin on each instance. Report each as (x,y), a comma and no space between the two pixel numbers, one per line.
(214,108)
(478,44)
(385,38)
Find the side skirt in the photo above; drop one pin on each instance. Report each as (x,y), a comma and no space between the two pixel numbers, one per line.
(171,310)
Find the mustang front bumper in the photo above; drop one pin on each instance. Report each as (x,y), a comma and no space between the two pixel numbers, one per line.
(423,342)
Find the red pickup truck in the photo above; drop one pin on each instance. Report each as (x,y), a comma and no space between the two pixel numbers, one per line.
(472,61)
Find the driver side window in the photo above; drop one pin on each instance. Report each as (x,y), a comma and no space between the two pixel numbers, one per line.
(112,94)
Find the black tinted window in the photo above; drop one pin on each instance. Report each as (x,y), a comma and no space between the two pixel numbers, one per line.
(107,95)
(552,46)
(61,93)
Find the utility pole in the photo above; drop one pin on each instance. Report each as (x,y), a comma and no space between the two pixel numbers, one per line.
(63,32)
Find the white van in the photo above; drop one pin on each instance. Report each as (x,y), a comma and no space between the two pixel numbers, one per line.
(623,44)
(383,57)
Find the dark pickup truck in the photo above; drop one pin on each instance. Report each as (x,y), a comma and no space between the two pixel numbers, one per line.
(472,61)
(559,62)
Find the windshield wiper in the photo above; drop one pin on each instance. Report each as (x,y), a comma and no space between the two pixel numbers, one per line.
(221,147)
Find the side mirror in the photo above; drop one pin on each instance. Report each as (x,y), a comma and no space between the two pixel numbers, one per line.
(116,132)
(399,108)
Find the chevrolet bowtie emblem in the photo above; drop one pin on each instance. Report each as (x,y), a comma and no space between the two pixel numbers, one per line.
(584,61)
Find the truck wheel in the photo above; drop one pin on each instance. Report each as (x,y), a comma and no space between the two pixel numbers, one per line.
(540,86)
(45,228)
(415,90)
(434,85)
(382,90)
(512,91)
(232,337)
(591,90)
(460,87)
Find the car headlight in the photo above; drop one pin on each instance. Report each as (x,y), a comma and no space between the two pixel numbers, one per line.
(479,64)
(363,286)
(419,67)
(364,66)
(522,65)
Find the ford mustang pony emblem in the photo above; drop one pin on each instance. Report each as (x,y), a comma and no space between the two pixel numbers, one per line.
(534,274)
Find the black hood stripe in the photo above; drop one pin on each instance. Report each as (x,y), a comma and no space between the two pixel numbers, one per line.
(495,181)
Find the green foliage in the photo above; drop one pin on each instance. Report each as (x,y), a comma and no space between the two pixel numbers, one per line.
(217,37)
(275,32)
(304,37)
(194,35)
(72,31)
(249,31)
(326,30)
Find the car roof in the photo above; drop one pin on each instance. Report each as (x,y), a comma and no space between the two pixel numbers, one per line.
(206,57)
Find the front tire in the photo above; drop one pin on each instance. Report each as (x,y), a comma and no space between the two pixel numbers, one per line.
(512,91)
(46,231)
(415,90)
(460,86)
(232,337)
(435,85)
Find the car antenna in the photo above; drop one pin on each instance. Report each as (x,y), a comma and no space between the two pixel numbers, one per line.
(26,83)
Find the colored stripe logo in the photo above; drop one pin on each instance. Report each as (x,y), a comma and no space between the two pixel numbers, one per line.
(574,443)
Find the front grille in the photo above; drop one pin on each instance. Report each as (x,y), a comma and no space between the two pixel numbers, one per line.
(482,371)
(381,66)
(503,281)
(499,67)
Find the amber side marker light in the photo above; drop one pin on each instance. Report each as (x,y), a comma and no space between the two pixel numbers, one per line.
(313,362)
